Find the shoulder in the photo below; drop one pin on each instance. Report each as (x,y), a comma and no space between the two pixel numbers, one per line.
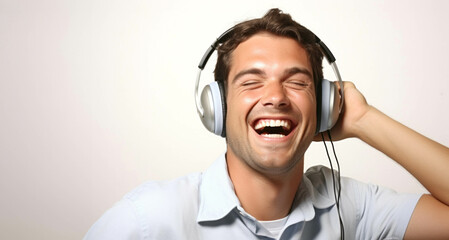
(154,205)
(164,192)
(354,190)
(369,210)
(322,178)
(166,201)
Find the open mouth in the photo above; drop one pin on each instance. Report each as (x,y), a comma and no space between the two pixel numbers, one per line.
(273,128)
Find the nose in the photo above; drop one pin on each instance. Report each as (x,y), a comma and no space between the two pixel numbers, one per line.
(275,96)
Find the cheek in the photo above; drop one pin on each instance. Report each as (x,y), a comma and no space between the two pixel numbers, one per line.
(305,99)
(238,108)
(242,103)
(312,102)
(306,104)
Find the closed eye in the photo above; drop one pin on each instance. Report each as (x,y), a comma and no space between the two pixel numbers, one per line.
(300,83)
(297,84)
(250,84)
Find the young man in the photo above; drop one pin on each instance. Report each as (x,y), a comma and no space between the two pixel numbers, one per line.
(270,68)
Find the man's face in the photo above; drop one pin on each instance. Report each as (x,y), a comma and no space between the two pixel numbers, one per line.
(271,107)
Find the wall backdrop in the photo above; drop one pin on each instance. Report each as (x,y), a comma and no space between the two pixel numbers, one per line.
(97,96)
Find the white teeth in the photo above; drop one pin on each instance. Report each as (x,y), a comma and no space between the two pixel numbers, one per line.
(272,123)
(273,135)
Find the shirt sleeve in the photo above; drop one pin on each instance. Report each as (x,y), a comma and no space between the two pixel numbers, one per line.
(382,213)
(119,222)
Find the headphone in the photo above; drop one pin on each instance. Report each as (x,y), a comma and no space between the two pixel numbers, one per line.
(211,105)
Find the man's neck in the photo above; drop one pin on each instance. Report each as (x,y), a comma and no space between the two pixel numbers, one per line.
(265,197)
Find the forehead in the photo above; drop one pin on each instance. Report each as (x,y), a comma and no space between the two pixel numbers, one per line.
(265,49)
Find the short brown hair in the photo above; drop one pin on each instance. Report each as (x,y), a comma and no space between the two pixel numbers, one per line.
(275,22)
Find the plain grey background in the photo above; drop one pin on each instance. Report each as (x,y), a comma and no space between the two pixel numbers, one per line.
(97,96)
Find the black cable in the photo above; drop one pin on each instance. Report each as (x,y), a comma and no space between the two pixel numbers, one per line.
(339,183)
(337,189)
(338,165)
(332,171)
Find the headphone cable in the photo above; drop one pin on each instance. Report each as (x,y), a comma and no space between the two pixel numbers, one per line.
(337,189)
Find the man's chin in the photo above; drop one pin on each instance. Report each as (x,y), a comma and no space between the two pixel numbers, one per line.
(271,164)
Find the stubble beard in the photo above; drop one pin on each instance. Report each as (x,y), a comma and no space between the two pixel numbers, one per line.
(265,165)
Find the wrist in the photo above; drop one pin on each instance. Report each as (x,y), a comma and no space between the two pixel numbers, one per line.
(363,127)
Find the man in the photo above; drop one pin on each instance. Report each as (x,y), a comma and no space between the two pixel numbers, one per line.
(270,68)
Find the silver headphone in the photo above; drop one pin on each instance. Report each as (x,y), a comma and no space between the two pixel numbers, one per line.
(211,105)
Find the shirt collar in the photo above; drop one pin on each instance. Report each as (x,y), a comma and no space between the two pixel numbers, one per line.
(218,199)
(217,195)
(308,197)
(318,180)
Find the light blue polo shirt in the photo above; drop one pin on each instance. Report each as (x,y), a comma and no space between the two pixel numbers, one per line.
(204,206)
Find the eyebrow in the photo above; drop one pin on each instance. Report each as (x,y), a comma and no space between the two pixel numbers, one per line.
(295,70)
(287,72)
(255,71)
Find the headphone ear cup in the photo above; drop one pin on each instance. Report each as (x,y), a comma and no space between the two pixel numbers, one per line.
(330,102)
(214,105)
(223,108)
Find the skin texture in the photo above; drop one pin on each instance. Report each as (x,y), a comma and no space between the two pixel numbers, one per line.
(270,78)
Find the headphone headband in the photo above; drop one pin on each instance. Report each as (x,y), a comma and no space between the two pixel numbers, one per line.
(221,39)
